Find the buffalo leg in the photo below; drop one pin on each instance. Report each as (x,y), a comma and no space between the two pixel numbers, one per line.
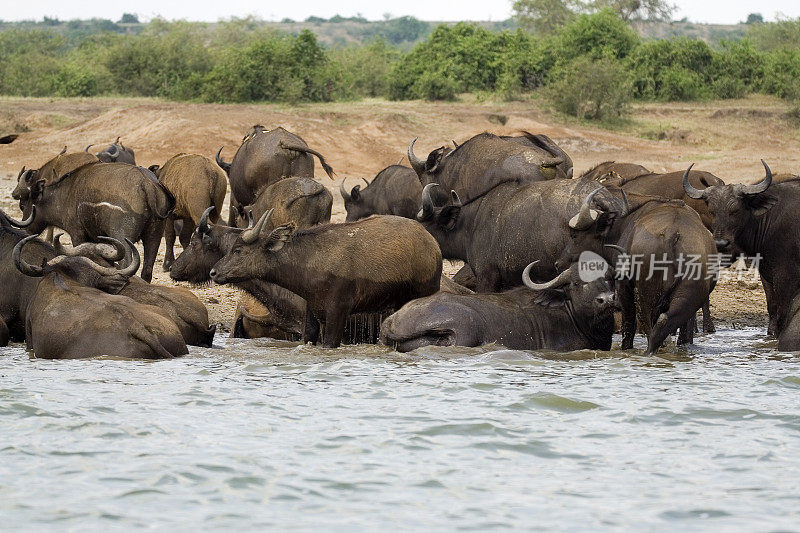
(186,230)
(232,213)
(169,242)
(4,334)
(311,332)
(334,328)
(628,304)
(151,239)
(686,335)
(708,323)
(771,307)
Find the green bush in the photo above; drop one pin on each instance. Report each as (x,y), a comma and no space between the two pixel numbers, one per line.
(678,83)
(601,34)
(782,74)
(595,89)
(728,87)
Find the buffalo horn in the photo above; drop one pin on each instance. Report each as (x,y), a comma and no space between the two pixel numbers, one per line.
(417,164)
(202,226)
(63,151)
(21,172)
(688,188)
(455,144)
(250,235)
(558,281)
(586,216)
(426,211)
(365,181)
(343,191)
(113,151)
(22,266)
(108,248)
(761,186)
(25,223)
(87,148)
(127,271)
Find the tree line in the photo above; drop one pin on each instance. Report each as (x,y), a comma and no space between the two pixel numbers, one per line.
(593,65)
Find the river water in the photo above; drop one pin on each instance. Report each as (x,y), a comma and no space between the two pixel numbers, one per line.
(257,435)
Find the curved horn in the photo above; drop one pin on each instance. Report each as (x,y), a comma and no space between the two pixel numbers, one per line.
(127,271)
(455,144)
(115,253)
(25,223)
(113,151)
(456,199)
(133,265)
(558,281)
(117,141)
(689,189)
(202,226)
(22,266)
(399,162)
(417,164)
(426,211)
(21,172)
(221,162)
(586,216)
(761,186)
(343,191)
(87,147)
(620,249)
(365,181)
(250,235)
(63,151)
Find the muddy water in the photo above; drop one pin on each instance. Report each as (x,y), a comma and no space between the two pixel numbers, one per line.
(258,434)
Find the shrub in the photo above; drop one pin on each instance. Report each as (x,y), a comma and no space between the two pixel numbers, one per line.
(678,83)
(782,74)
(595,89)
(602,34)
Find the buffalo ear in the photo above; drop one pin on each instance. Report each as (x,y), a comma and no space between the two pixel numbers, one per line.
(761,203)
(279,236)
(434,158)
(550,298)
(448,216)
(154,169)
(355,194)
(37,189)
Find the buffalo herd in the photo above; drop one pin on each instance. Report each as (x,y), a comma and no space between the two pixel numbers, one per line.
(509,207)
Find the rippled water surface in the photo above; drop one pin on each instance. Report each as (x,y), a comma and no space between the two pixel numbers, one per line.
(257,434)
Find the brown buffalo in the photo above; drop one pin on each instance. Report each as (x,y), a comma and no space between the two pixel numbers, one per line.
(367,266)
(197,184)
(302,201)
(263,158)
(394,191)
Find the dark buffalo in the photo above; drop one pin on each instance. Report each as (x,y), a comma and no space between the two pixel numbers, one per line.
(115,152)
(114,199)
(58,166)
(563,314)
(197,184)
(264,158)
(176,303)
(668,185)
(303,201)
(394,191)
(760,220)
(367,266)
(486,161)
(499,233)
(17,289)
(664,238)
(68,320)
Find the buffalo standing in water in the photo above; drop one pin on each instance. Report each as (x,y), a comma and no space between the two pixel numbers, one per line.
(367,266)
(265,157)
(563,314)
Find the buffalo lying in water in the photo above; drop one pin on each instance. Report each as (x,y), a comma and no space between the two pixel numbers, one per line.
(263,158)
(394,191)
(367,266)
(91,323)
(197,184)
(563,314)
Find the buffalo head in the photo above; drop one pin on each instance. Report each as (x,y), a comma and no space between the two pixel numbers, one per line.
(427,170)
(734,208)
(586,298)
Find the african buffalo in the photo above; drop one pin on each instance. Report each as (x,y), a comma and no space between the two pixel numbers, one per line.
(57,166)
(114,199)
(68,320)
(115,152)
(611,170)
(300,200)
(500,232)
(176,303)
(367,266)
(394,191)
(263,158)
(486,161)
(668,250)
(760,221)
(196,183)
(563,314)
(668,185)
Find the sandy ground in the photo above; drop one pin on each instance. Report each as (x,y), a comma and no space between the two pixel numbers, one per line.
(358,139)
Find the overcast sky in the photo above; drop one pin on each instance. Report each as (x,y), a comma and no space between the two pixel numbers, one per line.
(714,11)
